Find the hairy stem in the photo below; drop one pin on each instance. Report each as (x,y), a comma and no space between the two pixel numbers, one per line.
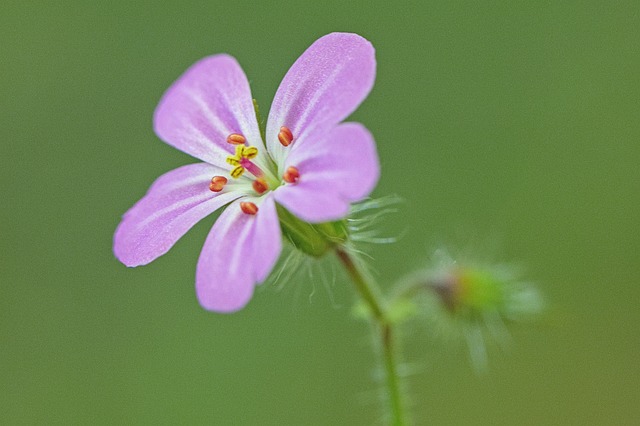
(384,332)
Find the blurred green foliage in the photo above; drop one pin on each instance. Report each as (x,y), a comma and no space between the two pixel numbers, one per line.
(522,123)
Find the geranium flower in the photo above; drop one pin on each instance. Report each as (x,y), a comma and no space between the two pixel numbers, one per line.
(312,164)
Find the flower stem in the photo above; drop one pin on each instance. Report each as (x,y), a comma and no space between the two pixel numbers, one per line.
(383,328)
(393,380)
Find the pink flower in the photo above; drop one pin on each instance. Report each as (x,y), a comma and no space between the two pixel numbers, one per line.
(312,164)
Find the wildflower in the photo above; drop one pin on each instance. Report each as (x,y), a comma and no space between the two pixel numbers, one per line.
(309,166)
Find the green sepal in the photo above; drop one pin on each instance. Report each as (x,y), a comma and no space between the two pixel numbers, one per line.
(312,239)
(261,123)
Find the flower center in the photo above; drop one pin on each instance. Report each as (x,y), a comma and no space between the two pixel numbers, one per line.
(243,160)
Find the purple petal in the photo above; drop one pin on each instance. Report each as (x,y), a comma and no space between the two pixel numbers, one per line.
(175,202)
(339,168)
(210,101)
(240,251)
(324,86)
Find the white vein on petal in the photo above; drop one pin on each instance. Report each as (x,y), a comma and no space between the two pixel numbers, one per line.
(235,260)
(191,180)
(196,200)
(321,91)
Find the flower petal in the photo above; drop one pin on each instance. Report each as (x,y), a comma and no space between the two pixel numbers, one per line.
(341,168)
(175,202)
(267,239)
(240,251)
(324,86)
(210,101)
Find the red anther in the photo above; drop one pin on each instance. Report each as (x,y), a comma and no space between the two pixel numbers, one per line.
(285,136)
(217,183)
(260,186)
(248,207)
(236,139)
(292,175)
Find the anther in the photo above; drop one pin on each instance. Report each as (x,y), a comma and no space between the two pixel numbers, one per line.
(292,175)
(217,183)
(250,152)
(285,136)
(237,171)
(236,139)
(248,207)
(260,186)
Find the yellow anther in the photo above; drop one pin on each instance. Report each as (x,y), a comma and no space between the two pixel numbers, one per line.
(236,160)
(250,152)
(237,171)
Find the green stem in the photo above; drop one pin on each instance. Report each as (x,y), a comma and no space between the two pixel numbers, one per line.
(365,290)
(383,327)
(393,380)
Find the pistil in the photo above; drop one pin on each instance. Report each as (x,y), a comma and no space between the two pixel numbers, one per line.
(241,160)
(252,168)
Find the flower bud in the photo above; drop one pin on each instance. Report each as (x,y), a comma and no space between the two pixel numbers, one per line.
(473,291)
(471,300)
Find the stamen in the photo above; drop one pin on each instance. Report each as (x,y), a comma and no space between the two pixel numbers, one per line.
(292,175)
(248,207)
(260,186)
(217,183)
(235,159)
(237,171)
(250,152)
(236,139)
(241,161)
(285,136)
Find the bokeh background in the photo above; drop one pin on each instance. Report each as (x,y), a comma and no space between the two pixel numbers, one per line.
(521,120)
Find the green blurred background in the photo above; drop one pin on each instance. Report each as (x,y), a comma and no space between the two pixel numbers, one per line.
(522,123)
